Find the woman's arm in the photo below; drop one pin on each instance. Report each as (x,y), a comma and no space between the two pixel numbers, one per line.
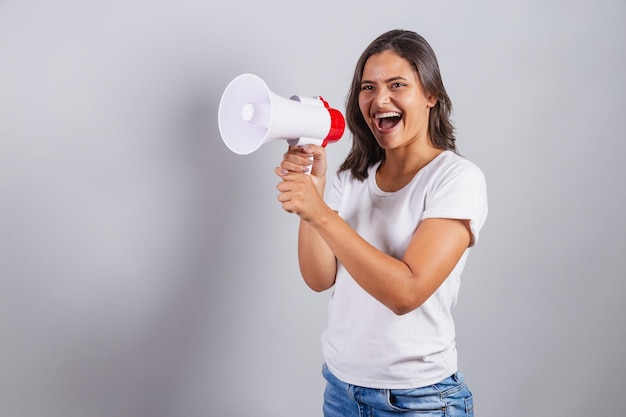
(318,264)
(400,284)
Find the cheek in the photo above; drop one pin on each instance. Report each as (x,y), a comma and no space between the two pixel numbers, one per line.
(364,107)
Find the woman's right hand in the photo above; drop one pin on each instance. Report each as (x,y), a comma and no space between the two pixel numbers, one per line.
(302,192)
(305,158)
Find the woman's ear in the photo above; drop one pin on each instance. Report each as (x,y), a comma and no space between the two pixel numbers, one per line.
(431,100)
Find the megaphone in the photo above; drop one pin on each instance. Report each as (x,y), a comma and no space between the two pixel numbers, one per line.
(250,114)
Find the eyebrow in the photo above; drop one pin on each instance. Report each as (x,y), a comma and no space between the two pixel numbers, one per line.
(386,81)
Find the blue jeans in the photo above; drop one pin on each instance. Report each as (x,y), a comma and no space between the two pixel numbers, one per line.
(448,398)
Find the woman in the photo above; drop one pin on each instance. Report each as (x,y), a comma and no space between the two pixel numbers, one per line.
(392,237)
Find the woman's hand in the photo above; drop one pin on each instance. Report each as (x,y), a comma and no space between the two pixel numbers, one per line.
(300,192)
(305,158)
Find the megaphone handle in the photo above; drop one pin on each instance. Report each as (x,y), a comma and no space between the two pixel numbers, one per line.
(310,167)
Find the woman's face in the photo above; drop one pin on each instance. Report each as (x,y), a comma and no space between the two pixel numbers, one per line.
(393,102)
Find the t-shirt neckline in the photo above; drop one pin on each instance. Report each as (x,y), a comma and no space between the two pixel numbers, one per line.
(378,191)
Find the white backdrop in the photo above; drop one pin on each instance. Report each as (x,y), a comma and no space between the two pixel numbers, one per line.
(146,271)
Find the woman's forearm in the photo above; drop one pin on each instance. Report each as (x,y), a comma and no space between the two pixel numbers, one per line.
(400,284)
(318,264)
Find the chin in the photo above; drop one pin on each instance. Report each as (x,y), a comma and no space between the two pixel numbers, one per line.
(387,141)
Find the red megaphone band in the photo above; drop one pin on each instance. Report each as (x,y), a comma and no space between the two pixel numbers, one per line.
(337,124)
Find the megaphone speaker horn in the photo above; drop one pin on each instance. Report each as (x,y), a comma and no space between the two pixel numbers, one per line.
(250,114)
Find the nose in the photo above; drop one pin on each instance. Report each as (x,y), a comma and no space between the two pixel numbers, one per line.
(382,96)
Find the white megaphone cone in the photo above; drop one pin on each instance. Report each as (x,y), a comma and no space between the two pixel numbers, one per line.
(250,114)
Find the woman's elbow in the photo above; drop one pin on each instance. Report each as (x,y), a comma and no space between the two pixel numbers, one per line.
(317,288)
(404,305)
(319,285)
(401,310)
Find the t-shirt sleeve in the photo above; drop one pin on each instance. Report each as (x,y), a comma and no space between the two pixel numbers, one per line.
(460,194)
(335,193)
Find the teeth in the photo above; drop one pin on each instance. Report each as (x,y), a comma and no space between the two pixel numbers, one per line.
(388,114)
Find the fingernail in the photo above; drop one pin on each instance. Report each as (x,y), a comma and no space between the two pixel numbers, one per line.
(305,147)
(284,171)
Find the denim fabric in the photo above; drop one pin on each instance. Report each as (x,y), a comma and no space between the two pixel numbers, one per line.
(448,398)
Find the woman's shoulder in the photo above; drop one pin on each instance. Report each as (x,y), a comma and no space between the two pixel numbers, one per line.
(449,162)
(450,167)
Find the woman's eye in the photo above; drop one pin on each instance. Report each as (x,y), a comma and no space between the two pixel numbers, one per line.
(397,85)
(366,87)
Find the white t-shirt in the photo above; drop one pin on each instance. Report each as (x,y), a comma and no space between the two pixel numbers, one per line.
(365,343)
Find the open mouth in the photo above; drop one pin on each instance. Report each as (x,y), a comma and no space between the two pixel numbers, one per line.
(386,121)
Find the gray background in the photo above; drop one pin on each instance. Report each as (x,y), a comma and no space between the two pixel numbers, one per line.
(147,271)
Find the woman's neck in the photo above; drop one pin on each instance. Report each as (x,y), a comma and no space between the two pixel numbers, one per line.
(401,165)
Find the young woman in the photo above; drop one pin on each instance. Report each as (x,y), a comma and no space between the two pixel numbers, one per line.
(391,239)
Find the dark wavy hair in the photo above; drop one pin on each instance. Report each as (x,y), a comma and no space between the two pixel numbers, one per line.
(365,150)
